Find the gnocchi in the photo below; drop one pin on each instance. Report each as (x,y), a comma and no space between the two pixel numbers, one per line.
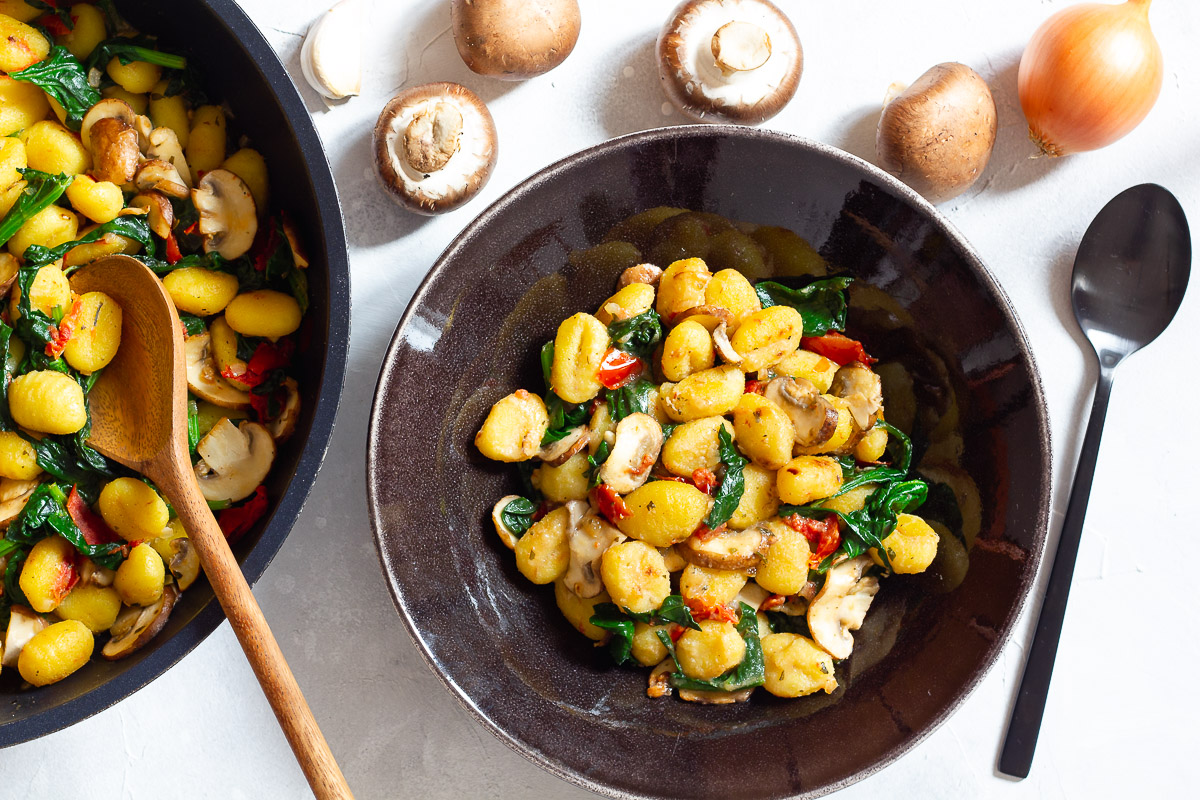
(743,558)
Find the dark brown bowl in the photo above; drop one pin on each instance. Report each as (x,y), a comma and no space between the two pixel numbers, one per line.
(470,336)
(238,66)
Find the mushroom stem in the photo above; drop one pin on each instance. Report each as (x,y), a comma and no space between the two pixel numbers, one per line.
(740,47)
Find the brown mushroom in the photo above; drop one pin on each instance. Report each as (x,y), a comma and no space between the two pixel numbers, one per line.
(331,57)
(234,460)
(109,107)
(159,212)
(708,316)
(228,216)
(862,390)
(514,39)
(715,698)
(729,60)
(161,176)
(720,337)
(641,273)
(435,147)
(741,551)
(284,425)
(115,150)
(639,439)
(164,146)
(557,453)
(136,626)
(203,379)
(813,417)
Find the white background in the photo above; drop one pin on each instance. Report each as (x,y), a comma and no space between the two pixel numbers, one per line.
(1122,718)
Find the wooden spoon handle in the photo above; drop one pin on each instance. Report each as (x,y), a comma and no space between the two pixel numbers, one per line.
(267,660)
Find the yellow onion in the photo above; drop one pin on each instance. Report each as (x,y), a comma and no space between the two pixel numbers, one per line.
(1090,74)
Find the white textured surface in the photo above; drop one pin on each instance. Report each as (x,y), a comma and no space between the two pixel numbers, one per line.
(1122,716)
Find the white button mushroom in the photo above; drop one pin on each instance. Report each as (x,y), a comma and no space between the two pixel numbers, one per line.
(435,147)
(228,216)
(841,605)
(331,57)
(588,538)
(136,626)
(233,460)
(204,380)
(639,438)
(729,60)
(514,39)
(862,390)
(23,623)
(814,419)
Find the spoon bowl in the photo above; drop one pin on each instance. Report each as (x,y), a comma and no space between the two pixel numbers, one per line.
(1131,271)
(139,417)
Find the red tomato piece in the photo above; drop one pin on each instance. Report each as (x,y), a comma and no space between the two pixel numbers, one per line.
(617,368)
(825,534)
(839,349)
(611,504)
(236,521)
(93,527)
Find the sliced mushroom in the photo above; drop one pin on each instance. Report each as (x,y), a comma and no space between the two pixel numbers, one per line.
(642,273)
(299,256)
(115,152)
(720,337)
(709,316)
(22,625)
(184,562)
(862,390)
(660,679)
(202,376)
(136,626)
(228,216)
(507,535)
(556,453)
(233,460)
(164,146)
(741,551)
(284,425)
(713,698)
(588,539)
(729,60)
(161,176)
(144,127)
(92,573)
(331,57)
(639,439)
(108,108)
(813,417)
(160,214)
(13,496)
(435,147)
(841,605)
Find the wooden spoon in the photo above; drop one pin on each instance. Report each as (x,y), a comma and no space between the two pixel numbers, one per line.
(139,418)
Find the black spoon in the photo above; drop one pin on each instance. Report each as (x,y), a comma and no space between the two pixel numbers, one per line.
(1130,274)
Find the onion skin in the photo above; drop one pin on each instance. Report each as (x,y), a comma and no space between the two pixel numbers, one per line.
(1090,74)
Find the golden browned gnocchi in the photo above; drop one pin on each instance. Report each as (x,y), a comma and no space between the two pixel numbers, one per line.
(84,174)
(758,493)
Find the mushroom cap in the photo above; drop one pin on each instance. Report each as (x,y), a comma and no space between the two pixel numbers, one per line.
(22,625)
(237,459)
(588,537)
(741,551)
(160,213)
(106,108)
(639,439)
(161,176)
(284,425)
(862,390)
(164,146)
(696,83)
(462,175)
(135,627)
(814,419)
(514,39)
(507,536)
(331,57)
(558,453)
(228,216)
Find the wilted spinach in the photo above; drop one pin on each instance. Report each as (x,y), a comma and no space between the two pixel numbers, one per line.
(61,76)
(620,622)
(637,335)
(131,227)
(822,303)
(632,398)
(41,189)
(517,516)
(45,514)
(751,671)
(729,494)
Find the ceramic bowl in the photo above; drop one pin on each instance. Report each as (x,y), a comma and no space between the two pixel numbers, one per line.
(471,335)
(238,66)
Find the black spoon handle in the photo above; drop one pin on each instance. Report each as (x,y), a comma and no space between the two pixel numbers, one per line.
(1026,721)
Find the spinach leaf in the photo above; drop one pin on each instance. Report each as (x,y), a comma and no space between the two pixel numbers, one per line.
(620,622)
(41,189)
(637,335)
(822,303)
(525,478)
(73,461)
(564,418)
(298,283)
(729,494)
(595,462)
(517,516)
(63,14)
(45,514)
(34,327)
(127,49)
(6,371)
(668,429)
(12,575)
(547,357)
(900,448)
(750,672)
(61,76)
(193,424)
(193,326)
(131,227)
(632,398)
(787,623)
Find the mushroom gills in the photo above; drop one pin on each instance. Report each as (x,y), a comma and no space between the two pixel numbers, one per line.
(136,626)
(202,376)
(841,605)
(863,392)
(228,216)
(813,417)
(234,461)
(589,538)
(639,439)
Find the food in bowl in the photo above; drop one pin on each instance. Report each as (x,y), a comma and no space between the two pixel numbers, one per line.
(111,147)
(710,481)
